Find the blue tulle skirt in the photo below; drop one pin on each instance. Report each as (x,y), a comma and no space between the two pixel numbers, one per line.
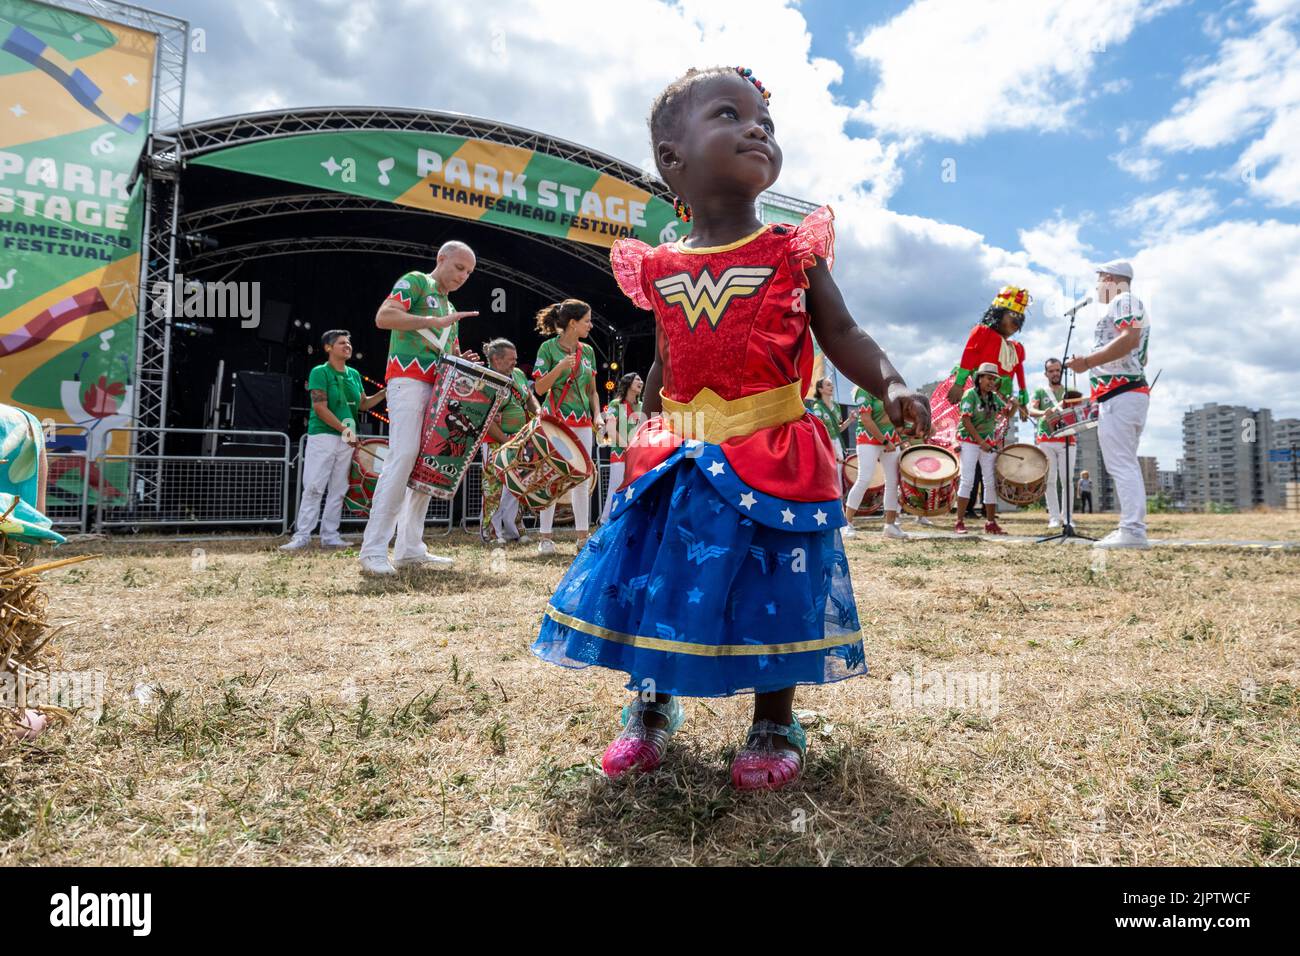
(684,590)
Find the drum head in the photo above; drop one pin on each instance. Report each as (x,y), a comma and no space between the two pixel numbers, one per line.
(565,444)
(370,455)
(878,475)
(851,469)
(929,464)
(473,368)
(1021,463)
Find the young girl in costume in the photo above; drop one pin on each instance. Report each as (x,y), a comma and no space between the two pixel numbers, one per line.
(622,415)
(982,407)
(722,570)
(564,377)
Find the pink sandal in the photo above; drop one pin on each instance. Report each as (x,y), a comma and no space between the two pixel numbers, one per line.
(640,747)
(761,765)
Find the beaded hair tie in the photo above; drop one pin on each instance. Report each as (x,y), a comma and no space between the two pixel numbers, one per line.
(748,74)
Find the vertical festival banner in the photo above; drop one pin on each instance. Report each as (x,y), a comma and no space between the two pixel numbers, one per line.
(75,100)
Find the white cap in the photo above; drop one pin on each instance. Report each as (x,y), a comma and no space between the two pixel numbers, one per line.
(1117,267)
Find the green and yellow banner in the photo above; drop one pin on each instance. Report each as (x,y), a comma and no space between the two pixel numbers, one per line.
(75,99)
(467,178)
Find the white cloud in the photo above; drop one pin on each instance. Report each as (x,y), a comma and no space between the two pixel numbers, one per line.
(1169,212)
(960,70)
(1254,83)
(1055,245)
(1136,164)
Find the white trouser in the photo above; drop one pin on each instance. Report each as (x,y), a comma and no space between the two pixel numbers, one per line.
(579,497)
(972,454)
(395,506)
(504,520)
(868,455)
(615,479)
(1055,452)
(838,446)
(1119,429)
(325,464)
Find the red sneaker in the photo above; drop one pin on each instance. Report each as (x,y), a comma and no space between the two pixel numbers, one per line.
(993,528)
(959,527)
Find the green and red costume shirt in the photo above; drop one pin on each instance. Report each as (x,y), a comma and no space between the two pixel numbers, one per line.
(570,396)
(621,419)
(983,411)
(1124,312)
(1044,400)
(513,414)
(410,354)
(873,408)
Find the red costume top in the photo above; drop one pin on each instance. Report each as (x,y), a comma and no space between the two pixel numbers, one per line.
(733,319)
(986,344)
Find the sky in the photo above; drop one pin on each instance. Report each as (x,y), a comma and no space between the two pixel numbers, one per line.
(963,144)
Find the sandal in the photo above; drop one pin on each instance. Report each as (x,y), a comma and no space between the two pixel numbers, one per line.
(761,765)
(640,747)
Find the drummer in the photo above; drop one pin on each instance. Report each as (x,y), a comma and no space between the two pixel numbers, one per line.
(423,326)
(500,508)
(1046,400)
(878,440)
(337,399)
(981,407)
(825,408)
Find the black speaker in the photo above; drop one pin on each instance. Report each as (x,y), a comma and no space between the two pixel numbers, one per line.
(260,402)
(273,324)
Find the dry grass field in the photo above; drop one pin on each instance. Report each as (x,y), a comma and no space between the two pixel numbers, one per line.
(267,709)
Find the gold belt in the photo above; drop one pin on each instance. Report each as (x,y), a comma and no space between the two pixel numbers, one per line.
(713,419)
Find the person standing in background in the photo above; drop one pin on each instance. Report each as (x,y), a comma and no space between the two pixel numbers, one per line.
(337,400)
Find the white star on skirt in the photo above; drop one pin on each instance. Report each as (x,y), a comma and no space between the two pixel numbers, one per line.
(717,468)
(820,516)
(747,500)
(787,516)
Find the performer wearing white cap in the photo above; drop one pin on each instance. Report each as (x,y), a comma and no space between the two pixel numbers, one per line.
(1117,369)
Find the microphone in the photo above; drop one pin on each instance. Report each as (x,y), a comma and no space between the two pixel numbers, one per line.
(1077,306)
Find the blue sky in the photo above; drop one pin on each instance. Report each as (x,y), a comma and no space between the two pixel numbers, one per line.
(1081,130)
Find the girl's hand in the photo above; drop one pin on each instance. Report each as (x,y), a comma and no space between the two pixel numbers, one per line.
(908,410)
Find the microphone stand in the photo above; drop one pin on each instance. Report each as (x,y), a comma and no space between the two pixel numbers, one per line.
(1067,480)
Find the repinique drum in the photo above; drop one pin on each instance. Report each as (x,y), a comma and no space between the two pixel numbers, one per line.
(873,499)
(465,398)
(1061,423)
(1020,474)
(367,462)
(927,480)
(542,462)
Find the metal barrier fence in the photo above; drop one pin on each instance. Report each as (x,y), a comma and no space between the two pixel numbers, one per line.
(243,481)
(438,515)
(67,482)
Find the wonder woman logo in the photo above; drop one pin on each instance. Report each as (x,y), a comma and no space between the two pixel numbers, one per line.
(710,296)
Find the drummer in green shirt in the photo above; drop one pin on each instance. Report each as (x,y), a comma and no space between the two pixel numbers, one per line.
(501,511)
(337,400)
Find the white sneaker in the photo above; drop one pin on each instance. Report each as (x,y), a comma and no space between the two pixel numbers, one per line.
(546,546)
(848,531)
(295,544)
(522,539)
(894,531)
(377,567)
(1120,538)
(425,560)
(922,519)
(1054,523)
(334,543)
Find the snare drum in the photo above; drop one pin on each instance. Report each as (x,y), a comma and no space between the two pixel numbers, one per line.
(927,480)
(542,462)
(873,499)
(465,398)
(1074,418)
(367,462)
(850,466)
(1020,474)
